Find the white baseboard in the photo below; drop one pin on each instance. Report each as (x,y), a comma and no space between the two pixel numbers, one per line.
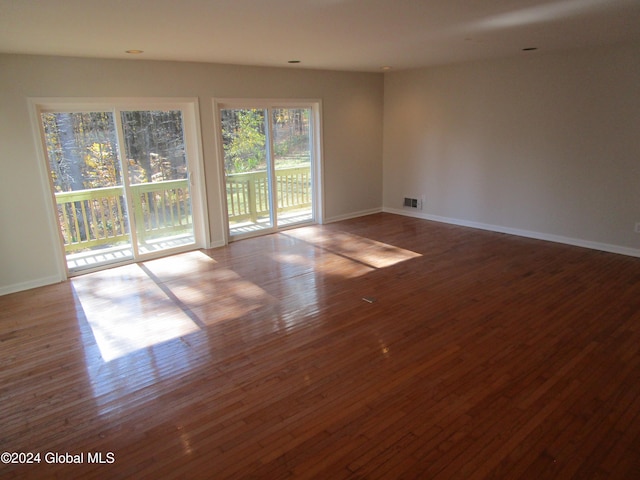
(577,242)
(19,287)
(347,216)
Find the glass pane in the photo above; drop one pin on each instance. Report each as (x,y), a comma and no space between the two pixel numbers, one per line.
(87,179)
(245,166)
(159,178)
(292,161)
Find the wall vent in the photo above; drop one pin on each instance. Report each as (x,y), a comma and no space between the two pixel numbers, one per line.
(410,202)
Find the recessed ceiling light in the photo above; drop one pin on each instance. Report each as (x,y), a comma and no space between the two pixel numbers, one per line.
(386,68)
(134,52)
(293,61)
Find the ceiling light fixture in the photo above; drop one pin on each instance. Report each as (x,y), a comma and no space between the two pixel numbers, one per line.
(134,52)
(386,68)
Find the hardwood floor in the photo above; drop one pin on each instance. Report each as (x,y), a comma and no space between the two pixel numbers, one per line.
(477,355)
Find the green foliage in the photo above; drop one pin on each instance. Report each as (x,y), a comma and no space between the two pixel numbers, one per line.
(80,149)
(292,146)
(244,138)
(100,166)
(291,135)
(244,141)
(82,152)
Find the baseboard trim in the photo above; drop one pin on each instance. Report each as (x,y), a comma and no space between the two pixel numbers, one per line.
(40,282)
(576,242)
(348,216)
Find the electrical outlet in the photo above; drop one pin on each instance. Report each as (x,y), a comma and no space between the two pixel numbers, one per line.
(637,229)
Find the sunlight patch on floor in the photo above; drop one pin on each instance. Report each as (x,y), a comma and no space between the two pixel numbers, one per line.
(362,250)
(127,311)
(183,265)
(211,292)
(138,306)
(220,295)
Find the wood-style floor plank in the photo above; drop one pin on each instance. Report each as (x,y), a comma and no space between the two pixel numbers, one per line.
(477,355)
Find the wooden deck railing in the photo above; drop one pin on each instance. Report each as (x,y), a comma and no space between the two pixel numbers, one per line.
(248,197)
(97,216)
(165,208)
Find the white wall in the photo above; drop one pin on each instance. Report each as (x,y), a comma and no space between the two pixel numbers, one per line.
(352,127)
(545,145)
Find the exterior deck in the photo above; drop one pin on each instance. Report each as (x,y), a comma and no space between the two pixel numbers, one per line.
(96,230)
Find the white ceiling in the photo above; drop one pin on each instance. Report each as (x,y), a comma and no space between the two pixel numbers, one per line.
(359,35)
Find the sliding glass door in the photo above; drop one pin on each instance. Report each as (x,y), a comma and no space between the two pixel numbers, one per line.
(246,170)
(158,179)
(121,182)
(268,167)
(292,154)
(88,182)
